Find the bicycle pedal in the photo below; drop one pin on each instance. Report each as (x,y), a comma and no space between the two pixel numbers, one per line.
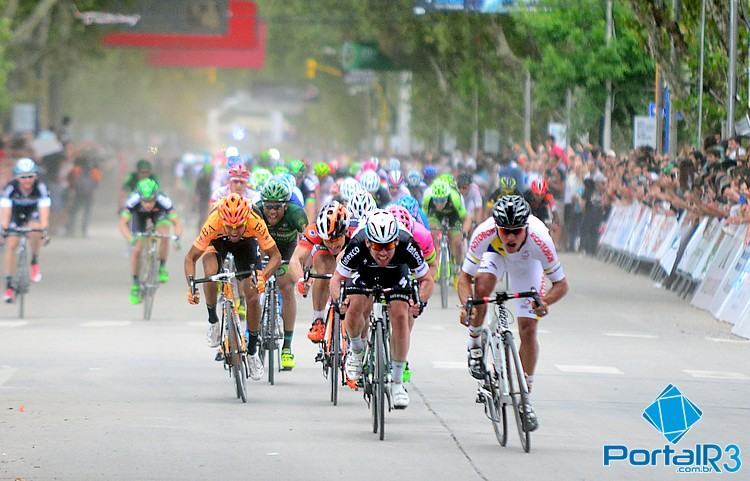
(480,398)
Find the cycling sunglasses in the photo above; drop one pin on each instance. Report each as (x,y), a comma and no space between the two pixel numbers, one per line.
(273,205)
(512,230)
(26,177)
(383,247)
(440,200)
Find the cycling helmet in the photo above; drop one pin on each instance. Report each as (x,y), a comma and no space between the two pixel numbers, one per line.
(361,204)
(355,168)
(402,215)
(413,178)
(275,190)
(394,164)
(289,180)
(463,180)
(507,185)
(147,188)
(429,172)
(381,227)
(296,167)
(440,190)
(259,177)
(333,166)
(239,171)
(411,205)
(511,211)
(370,181)
(447,179)
(349,187)
(143,164)
(321,169)
(539,186)
(370,164)
(234,210)
(332,221)
(25,166)
(280,169)
(395,178)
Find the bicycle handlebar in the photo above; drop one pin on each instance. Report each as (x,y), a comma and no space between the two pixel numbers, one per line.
(22,230)
(308,274)
(501,298)
(153,235)
(221,276)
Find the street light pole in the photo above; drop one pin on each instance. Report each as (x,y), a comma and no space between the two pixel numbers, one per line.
(607,134)
(698,140)
(732,72)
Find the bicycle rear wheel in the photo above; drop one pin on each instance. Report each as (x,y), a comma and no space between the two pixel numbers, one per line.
(335,355)
(518,394)
(380,375)
(444,280)
(496,409)
(235,356)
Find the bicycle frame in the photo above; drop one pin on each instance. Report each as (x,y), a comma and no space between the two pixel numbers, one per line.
(444,263)
(22,277)
(149,266)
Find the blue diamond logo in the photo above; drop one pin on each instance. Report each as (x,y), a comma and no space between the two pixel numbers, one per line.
(672,414)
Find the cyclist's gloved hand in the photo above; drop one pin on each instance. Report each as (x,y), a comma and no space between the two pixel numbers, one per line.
(302,287)
(540,309)
(260,283)
(193,298)
(464,317)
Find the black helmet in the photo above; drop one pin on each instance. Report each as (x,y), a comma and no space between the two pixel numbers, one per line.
(511,211)
(463,179)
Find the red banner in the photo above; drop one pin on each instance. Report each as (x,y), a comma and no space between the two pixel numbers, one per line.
(241,33)
(253,58)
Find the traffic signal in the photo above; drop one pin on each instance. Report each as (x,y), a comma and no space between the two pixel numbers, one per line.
(311,68)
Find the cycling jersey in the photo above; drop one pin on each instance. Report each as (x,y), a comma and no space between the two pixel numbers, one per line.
(543,207)
(161,213)
(402,192)
(213,230)
(473,198)
(25,207)
(453,212)
(309,187)
(357,259)
(526,267)
(287,230)
(423,238)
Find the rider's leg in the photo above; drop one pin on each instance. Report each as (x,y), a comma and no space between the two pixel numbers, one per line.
(11,244)
(323,263)
(457,249)
(210,267)
(162,228)
(135,259)
(399,312)
(522,278)
(253,314)
(484,285)
(35,241)
(288,308)
(354,320)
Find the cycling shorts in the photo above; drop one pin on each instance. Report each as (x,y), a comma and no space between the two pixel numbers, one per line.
(454,222)
(245,252)
(397,279)
(141,222)
(523,274)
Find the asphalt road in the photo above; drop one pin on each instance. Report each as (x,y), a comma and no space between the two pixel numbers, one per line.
(89,391)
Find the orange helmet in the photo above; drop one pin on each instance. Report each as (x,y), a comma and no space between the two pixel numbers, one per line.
(234,210)
(332,221)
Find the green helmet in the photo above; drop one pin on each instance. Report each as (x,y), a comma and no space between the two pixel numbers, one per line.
(321,169)
(354,168)
(448,179)
(147,188)
(296,166)
(280,169)
(143,164)
(265,156)
(440,189)
(507,185)
(259,177)
(275,190)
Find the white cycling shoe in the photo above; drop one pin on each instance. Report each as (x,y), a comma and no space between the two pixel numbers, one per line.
(354,365)
(399,395)
(213,336)
(256,367)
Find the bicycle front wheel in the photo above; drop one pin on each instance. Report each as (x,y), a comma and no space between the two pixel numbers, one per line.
(235,356)
(270,340)
(149,286)
(518,394)
(380,379)
(22,280)
(335,356)
(444,276)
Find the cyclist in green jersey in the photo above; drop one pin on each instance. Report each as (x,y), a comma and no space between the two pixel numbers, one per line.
(441,201)
(285,221)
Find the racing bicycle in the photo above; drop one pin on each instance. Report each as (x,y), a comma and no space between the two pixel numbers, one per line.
(233,344)
(149,268)
(271,328)
(504,382)
(22,279)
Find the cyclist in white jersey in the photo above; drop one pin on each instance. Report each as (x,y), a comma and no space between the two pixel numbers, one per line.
(516,242)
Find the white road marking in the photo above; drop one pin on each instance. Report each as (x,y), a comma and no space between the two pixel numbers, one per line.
(584,369)
(449,365)
(726,375)
(95,369)
(6,372)
(272,454)
(13,323)
(635,335)
(729,341)
(106,324)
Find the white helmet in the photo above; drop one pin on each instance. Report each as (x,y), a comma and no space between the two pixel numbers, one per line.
(381,227)
(361,203)
(370,181)
(349,187)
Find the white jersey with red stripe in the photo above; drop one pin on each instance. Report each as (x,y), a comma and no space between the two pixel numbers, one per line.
(538,246)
